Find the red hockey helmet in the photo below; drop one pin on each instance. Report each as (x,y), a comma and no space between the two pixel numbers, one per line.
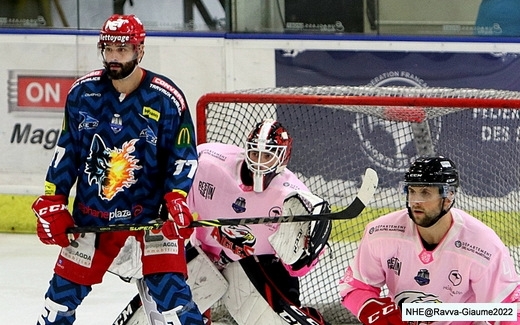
(126,29)
(268,150)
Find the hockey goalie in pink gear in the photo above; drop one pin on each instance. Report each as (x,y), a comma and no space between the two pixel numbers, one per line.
(254,269)
(261,263)
(429,252)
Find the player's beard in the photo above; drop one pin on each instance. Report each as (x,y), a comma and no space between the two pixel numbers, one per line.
(428,219)
(123,71)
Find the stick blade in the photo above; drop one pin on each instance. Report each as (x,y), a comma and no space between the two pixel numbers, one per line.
(369,186)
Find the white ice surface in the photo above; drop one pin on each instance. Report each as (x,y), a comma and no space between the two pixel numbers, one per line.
(26,266)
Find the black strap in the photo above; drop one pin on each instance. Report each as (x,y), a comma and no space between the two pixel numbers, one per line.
(256,269)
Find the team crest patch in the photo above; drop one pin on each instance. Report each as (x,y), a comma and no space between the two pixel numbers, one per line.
(422,277)
(87,122)
(239,206)
(116,124)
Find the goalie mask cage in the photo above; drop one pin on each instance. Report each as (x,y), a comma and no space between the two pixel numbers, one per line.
(339,131)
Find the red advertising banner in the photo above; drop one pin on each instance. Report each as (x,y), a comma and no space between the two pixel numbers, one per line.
(37,91)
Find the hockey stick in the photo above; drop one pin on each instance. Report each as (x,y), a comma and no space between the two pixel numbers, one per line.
(126,316)
(364,195)
(142,310)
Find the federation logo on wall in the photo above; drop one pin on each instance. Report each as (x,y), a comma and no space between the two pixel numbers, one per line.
(391,144)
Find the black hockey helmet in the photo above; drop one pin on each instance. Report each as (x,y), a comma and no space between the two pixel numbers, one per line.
(432,171)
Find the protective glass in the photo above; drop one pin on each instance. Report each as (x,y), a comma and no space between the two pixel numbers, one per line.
(425,192)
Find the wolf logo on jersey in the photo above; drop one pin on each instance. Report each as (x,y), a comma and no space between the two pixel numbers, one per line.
(111,170)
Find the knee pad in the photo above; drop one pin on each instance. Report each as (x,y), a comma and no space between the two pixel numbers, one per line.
(169,290)
(61,300)
(54,312)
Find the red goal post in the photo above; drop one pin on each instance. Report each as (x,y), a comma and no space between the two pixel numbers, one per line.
(393,102)
(339,131)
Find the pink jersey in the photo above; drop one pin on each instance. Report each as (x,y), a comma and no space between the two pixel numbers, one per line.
(218,192)
(470,264)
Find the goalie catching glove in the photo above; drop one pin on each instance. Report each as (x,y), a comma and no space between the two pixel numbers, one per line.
(179,216)
(298,244)
(53,220)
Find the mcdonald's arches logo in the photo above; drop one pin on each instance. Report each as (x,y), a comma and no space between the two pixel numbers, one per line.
(184,137)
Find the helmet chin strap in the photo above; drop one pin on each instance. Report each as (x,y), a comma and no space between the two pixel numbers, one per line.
(436,219)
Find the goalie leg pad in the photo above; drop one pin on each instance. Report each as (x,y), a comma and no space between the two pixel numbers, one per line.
(254,298)
(207,284)
(127,264)
(244,302)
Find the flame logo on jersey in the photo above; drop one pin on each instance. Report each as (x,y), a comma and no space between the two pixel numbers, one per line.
(112,169)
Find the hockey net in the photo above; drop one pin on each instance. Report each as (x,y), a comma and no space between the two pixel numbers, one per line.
(339,131)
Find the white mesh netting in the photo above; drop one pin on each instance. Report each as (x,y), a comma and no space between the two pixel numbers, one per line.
(339,131)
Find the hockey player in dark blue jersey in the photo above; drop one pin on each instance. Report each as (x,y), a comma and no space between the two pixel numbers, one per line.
(127,145)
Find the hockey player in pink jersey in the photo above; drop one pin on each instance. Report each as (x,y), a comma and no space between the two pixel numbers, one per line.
(429,252)
(260,262)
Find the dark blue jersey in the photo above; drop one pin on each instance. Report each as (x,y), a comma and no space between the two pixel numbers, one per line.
(123,153)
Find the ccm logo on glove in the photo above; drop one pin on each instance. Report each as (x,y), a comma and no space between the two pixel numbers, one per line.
(380,311)
(53,220)
(49,209)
